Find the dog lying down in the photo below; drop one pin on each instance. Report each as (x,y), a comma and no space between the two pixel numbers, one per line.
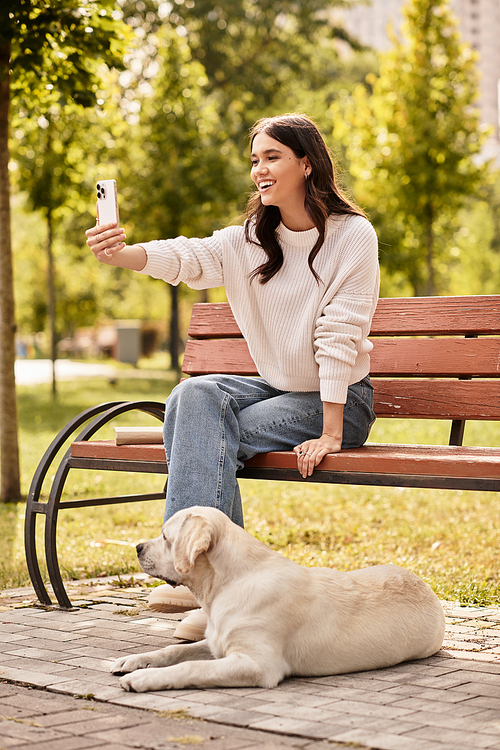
(269,618)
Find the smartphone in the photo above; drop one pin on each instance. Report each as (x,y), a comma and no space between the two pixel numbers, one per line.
(107,202)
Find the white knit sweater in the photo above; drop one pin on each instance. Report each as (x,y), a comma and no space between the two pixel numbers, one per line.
(303,335)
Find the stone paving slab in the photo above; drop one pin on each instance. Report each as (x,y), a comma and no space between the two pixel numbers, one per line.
(56,690)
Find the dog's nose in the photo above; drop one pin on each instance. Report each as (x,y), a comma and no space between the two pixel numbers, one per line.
(139,548)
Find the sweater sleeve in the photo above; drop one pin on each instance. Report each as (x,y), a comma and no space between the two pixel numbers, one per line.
(196,262)
(340,340)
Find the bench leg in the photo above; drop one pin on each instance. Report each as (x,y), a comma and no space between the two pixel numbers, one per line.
(50,535)
(32,557)
(33,504)
(100,415)
(457,432)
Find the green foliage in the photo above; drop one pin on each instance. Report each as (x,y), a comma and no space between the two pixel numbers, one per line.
(190,163)
(249,50)
(411,141)
(59,46)
(473,263)
(51,157)
(56,56)
(247,55)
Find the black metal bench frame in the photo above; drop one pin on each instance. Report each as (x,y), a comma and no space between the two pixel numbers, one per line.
(99,415)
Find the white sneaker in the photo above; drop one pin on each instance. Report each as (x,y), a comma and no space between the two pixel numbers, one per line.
(167,598)
(192,627)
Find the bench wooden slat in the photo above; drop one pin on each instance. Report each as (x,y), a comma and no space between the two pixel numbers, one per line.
(213,320)
(456,461)
(424,399)
(424,316)
(224,356)
(437,316)
(432,460)
(390,357)
(437,358)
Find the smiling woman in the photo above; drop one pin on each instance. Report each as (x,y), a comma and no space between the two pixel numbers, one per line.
(280,177)
(308,191)
(302,280)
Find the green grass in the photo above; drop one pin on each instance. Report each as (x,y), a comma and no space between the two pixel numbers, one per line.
(450,538)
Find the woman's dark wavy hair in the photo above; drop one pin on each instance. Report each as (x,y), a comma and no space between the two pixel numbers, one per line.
(323,196)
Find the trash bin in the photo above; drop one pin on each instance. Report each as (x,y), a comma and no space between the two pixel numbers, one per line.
(128,341)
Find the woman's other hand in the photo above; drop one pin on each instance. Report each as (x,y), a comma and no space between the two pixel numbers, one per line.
(311,452)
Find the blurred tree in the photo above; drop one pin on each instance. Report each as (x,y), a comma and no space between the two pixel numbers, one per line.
(201,75)
(412,142)
(44,47)
(51,162)
(257,53)
(250,50)
(492,197)
(57,170)
(191,174)
(475,251)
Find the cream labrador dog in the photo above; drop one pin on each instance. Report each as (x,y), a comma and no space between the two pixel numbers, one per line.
(269,618)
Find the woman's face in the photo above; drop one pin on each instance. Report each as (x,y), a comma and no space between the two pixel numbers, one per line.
(279,175)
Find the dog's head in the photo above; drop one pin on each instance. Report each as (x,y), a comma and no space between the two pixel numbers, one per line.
(184,537)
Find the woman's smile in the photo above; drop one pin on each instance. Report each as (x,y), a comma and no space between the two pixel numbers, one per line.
(265,185)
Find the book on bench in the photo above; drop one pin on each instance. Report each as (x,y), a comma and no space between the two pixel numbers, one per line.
(139,435)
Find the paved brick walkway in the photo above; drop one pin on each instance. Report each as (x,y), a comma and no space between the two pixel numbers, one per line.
(448,702)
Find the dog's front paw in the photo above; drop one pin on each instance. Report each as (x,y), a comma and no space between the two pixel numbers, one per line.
(129,664)
(119,666)
(136,682)
(151,679)
(126,683)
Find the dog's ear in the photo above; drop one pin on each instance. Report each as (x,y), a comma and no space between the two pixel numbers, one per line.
(193,537)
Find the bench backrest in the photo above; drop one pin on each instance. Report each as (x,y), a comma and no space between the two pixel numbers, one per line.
(433,357)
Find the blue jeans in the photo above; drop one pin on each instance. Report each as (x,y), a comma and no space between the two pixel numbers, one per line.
(214,423)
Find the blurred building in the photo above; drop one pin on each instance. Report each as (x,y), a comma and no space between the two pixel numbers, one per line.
(480,27)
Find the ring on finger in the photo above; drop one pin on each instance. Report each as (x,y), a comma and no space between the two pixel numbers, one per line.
(106,253)
(308,454)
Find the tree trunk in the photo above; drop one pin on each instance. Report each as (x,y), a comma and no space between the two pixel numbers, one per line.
(10,485)
(430,290)
(51,300)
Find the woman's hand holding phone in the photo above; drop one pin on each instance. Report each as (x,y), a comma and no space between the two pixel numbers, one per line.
(107,238)
(107,244)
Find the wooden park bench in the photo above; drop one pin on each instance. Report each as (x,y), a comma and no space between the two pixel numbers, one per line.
(433,358)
